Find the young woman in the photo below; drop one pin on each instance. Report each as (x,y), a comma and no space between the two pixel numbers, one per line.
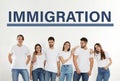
(66,60)
(37,64)
(103,61)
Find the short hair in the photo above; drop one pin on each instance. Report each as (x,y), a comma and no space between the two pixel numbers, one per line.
(51,38)
(84,39)
(20,35)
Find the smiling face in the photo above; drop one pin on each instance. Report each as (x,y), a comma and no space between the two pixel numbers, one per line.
(51,43)
(38,49)
(66,46)
(97,48)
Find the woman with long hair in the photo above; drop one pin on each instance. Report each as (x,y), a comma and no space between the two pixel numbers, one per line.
(103,61)
(37,64)
(66,60)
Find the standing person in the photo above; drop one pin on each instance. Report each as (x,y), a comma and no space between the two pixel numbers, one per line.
(103,61)
(37,64)
(19,61)
(66,60)
(52,66)
(83,61)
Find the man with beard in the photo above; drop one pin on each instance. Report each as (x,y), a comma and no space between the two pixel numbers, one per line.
(52,65)
(83,61)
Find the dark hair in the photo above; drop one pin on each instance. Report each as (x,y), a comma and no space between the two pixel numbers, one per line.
(102,51)
(64,45)
(84,39)
(20,36)
(35,52)
(51,38)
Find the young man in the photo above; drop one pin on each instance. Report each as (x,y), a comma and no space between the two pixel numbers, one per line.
(83,61)
(52,66)
(17,57)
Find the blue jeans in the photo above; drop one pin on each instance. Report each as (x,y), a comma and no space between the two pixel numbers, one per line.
(103,75)
(23,72)
(38,74)
(77,77)
(66,71)
(50,75)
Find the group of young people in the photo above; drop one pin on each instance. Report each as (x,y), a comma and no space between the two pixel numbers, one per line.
(48,64)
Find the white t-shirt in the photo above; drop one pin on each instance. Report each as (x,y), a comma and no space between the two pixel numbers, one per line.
(66,55)
(104,62)
(83,59)
(39,62)
(51,60)
(19,56)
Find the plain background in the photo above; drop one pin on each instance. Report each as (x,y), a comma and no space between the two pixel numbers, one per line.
(107,36)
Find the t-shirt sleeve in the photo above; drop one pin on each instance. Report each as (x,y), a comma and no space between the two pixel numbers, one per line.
(43,51)
(27,51)
(44,56)
(76,52)
(96,56)
(58,56)
(11,51)
(92,55)
(107,55)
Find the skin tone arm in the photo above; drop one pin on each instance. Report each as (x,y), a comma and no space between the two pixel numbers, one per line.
(58,67)
(64,60)
(31,67)
(91,65)
(76,64)
(110,62)
(91,62)
(28,59)
(75,57)
(10,58)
